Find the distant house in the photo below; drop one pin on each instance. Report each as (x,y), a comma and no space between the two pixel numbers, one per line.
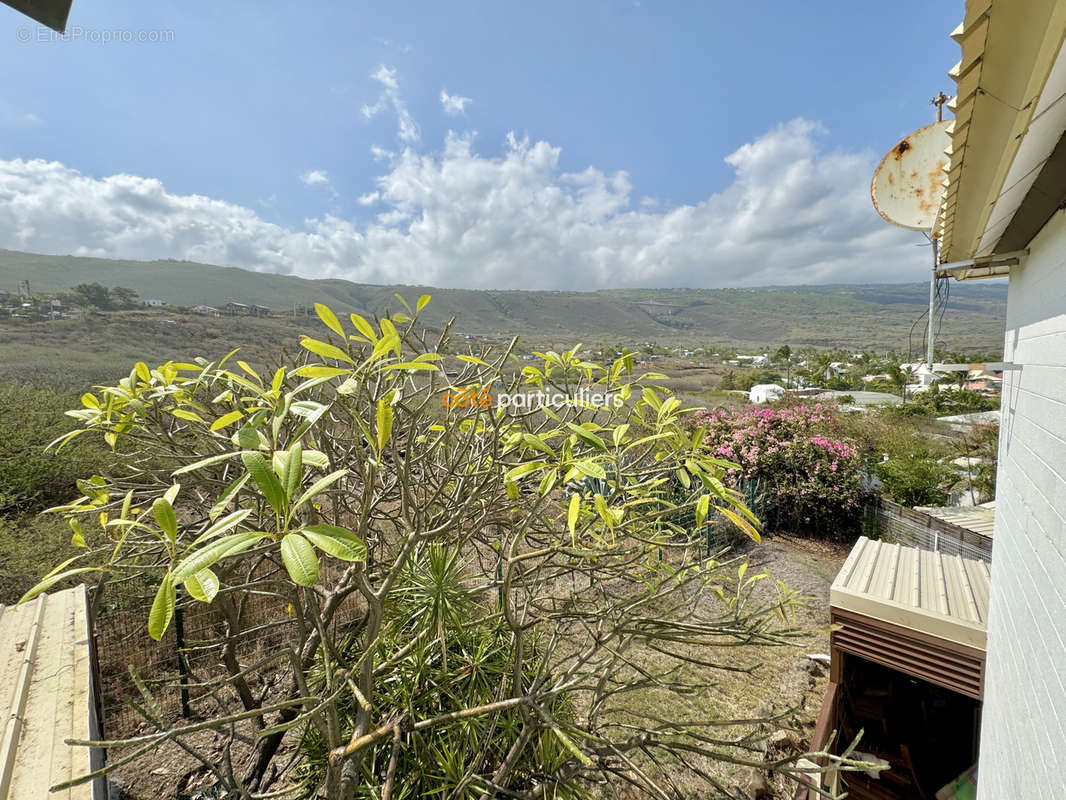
(984,380)
(766,393)
(756,361)
(154,303)
(246,310)
(202,309)
(835,370)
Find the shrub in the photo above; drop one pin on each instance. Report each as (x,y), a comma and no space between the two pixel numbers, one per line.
(916,479)
(809,479)
(32,478)
(235,487)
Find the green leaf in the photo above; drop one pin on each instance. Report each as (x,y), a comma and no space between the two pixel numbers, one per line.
(265,479)
(364,327)
(423,301)
(143,372)
(191,416)
(523,469)
(292,471)
(217,550)
(227,419)
(547,483)
(587,436)
(412,366)
(227,523)
(702,507)
(162,608)
(316,371)
(590,469)
(534,441)
(299,559)
(324,349)
(325,313)
(602,510)
(248,438)
(227,496)
(336,541)
(740,522)
(572,514)
(163,512)
(320,485)
(384,423)
(202,586)
(52,580)
(78,537)
(244,365)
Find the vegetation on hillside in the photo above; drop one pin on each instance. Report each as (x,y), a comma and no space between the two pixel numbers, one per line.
(876,316)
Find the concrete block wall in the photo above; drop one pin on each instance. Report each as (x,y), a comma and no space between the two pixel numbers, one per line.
(1023,735)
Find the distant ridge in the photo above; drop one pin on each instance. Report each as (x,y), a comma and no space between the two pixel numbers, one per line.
(877,316)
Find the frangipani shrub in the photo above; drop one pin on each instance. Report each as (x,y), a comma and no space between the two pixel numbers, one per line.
(809,478)
(431,581)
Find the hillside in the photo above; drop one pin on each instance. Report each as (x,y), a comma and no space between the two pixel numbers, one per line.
(868,316)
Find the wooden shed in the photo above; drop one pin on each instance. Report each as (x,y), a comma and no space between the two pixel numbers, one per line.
(907,667)
(48,693)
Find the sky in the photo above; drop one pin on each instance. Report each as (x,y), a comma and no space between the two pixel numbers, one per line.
(552,145)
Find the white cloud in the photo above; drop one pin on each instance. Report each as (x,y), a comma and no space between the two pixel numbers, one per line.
(368,199)
(386,76)
(315,177)
(453,104)
(406,127)
(10,116)
(793,214)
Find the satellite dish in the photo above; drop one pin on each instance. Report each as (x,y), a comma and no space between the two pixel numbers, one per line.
(907,185)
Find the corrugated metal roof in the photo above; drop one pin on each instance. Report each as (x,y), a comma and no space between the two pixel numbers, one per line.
(46,689)
(979,519)
(941,595)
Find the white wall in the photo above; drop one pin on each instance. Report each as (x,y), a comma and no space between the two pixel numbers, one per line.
(1023,735)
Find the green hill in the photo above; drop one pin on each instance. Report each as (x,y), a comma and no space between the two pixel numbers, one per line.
(868,316)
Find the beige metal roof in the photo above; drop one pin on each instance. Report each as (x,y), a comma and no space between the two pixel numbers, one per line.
(1004,99)
(45,687)
(930,592)
(979,519)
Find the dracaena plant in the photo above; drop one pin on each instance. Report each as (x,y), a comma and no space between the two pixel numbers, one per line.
(463,600)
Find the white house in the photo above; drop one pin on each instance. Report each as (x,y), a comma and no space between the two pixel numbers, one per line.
(1003,214)
(154,303)
(766,393)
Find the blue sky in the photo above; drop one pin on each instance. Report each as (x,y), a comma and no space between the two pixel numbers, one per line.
(249,135)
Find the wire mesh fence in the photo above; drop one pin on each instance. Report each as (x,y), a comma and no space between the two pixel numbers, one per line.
(894,523)
(203,643)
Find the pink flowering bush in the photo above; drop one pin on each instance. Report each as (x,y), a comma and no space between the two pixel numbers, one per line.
(800,474)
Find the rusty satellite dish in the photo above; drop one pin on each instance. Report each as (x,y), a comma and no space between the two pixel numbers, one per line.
(907,185)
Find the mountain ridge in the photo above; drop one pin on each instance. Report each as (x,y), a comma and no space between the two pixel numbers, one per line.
(874,316)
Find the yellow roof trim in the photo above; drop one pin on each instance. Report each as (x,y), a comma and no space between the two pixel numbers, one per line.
(1008,50)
